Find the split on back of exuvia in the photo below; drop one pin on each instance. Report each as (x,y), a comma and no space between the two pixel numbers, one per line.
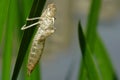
(46,28)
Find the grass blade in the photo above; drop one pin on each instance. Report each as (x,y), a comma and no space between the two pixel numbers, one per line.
(36,73)
(4,8)
(91,33)
(97,49)
(82,72)
(103,60)
(87,57)
(35,12)
(95,44)
(10,23)
(93,22)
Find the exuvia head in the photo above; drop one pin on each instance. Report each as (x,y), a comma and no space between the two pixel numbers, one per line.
(51,10)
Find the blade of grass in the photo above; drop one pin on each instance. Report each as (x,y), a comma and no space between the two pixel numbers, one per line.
(87,57)
(91,30)
(92,23)
(4,6)
(1,22)
(102,58)
(10,24)
(104,61)
(35,12)
(82,72)
(35,73)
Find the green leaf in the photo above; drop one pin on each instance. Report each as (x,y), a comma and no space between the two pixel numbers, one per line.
(96,46)
(91,33)
(82,75)
(88,59)
(92,23)
(103,60)
(27,36)
(9,23)
(36,73)
(4,9)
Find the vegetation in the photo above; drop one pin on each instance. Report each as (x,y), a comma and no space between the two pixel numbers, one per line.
(95,63)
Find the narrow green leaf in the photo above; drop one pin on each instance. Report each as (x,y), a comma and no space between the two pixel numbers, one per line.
(36,73)
(82,72)
(27,37)
(10,23)
(4,7)
(103,60)
(87,57)
(93,22)
(91,31)
(95,44)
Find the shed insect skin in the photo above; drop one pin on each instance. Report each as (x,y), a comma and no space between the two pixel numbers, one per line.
(45,29)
